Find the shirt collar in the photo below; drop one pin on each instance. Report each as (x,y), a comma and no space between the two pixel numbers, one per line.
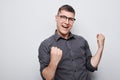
(57,37)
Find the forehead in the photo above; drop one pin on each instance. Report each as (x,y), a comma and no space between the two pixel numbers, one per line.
(66,13)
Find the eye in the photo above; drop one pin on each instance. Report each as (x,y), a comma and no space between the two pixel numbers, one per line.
(71,19)
(63,17)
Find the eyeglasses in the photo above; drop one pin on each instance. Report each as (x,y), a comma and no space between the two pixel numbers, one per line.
(64,18)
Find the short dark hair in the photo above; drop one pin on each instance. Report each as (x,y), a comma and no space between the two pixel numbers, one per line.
(66,8)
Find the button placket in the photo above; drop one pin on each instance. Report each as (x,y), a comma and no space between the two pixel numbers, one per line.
(72,57)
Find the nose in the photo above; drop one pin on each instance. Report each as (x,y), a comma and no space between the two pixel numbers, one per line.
(67,21)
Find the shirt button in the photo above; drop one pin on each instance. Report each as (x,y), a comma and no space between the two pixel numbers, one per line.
(75,71)
(72,59)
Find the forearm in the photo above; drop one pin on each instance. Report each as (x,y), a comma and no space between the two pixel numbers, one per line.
(49,72)
(97,57)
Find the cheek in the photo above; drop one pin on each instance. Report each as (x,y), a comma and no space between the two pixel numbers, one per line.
(70,27)
(61,22)
(70,24)
(58,22)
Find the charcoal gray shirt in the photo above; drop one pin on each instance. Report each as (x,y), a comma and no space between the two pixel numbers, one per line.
(75,61)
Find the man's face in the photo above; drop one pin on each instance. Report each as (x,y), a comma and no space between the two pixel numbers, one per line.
(65,22)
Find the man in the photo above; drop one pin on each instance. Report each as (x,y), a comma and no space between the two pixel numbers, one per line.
(65,56)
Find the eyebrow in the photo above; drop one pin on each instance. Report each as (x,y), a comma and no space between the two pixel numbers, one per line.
(67,17)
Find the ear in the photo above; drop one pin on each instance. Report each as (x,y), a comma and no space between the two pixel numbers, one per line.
(56,17)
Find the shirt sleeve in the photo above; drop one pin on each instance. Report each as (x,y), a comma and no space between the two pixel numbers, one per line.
(43,56)
(88,58)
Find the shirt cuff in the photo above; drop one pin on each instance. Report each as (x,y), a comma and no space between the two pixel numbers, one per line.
(90,67)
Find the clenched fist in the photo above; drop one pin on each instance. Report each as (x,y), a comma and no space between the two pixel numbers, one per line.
(56,55)
(100,40)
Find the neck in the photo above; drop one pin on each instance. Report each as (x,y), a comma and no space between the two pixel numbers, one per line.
(65,36)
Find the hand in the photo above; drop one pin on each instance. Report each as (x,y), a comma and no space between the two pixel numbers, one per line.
(100,40)
(56,55)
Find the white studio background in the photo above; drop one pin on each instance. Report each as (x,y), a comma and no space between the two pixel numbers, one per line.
(25,23)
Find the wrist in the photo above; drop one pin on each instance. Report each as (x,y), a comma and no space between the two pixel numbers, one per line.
(53,65)
(101,48)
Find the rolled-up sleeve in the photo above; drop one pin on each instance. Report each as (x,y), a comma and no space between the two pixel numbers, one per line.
(88,58)
(43,56)
(89,65)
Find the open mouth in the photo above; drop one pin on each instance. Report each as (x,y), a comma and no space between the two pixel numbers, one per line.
(65,26)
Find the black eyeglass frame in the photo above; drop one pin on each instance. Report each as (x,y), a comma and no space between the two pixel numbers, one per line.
(65,17)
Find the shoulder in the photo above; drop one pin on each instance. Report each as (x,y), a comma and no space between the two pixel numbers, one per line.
(45,44)
(79,37)
(47,41)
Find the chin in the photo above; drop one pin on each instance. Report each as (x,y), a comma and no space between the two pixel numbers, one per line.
(64,32)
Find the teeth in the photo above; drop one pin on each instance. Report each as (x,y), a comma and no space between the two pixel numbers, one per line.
(65,26)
